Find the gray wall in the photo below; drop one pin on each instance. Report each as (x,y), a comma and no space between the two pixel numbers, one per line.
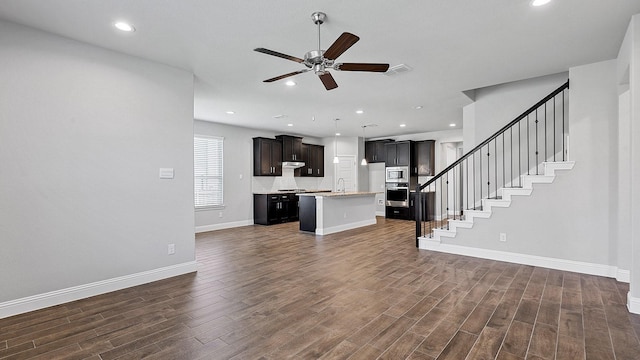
(629,159)
(83,133)
(568,219)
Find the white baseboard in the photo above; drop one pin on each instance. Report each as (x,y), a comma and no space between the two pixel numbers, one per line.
(338,228)
(57,297)
(381,213)
(623,275)
(533,260)
(227,225)
(633,304)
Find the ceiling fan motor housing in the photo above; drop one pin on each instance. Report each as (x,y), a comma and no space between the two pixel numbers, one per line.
(318,17)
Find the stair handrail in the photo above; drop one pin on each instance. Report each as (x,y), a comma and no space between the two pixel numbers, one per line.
(496,134)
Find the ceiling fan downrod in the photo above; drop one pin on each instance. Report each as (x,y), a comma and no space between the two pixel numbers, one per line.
(315,59)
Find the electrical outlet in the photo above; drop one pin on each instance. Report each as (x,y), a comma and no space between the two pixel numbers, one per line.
(345,215)
(220,214)
(171,249)
(380,202)
(503,237)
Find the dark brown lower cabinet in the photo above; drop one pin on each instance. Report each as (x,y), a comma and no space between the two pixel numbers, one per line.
(396,212)
(307,213)
(271,209)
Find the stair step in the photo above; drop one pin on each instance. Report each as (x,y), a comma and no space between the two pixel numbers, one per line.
(464,224)
(487,204)
(444,232)
(529,180)
(551,166)
(507,193)
(470,214)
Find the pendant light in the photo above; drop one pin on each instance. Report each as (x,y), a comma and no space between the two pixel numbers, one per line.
(335,143)
(364,144)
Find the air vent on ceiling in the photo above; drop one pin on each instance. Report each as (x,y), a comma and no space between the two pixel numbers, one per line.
(398,69)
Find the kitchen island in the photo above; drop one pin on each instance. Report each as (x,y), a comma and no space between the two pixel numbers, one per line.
(328,213)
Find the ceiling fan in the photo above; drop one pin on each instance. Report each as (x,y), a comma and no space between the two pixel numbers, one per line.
(320,61)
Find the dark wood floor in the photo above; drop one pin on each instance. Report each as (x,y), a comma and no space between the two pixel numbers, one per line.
(275,293)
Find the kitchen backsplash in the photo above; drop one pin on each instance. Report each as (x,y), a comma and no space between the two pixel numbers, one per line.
(288,181)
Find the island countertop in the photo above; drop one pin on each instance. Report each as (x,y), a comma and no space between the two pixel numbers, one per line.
(340,193)
(291,191)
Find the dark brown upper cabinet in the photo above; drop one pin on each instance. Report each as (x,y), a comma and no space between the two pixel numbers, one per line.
(425,157)
(267,157)
(313,157)
(399,153)
(374,151)
(291,147)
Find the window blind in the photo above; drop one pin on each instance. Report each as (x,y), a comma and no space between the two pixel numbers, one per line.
(207,161)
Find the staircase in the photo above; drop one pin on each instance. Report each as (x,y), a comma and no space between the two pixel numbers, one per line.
(503,200)
(526,151)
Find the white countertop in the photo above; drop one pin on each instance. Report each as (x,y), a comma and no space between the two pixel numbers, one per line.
(340,194)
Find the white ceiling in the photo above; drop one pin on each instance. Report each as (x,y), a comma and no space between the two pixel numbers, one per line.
(451,45)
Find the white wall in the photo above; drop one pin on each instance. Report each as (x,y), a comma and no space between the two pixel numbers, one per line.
(568,219)
(83,133)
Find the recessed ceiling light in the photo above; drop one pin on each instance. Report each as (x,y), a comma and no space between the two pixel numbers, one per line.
(403,125)
(418,107)
(280,116)
(539,2)
(337,134)
(123,26)
(290,83)
(359,111)
(289,124)
(452,125)
(230,112)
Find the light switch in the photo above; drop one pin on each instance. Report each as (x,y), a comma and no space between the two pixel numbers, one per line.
(166,173)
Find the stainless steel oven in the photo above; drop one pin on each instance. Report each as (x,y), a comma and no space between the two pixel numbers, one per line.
(398,194)
(397,174)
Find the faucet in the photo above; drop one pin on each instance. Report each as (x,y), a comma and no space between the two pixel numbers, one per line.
(338,185)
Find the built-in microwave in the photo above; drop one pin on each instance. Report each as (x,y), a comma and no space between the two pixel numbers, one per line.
(397,174)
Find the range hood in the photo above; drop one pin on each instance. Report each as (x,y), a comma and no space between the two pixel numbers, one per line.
(292,164)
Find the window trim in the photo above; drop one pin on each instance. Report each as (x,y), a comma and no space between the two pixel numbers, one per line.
(216,206)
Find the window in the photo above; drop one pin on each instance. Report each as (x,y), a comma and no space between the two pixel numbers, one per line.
(207,164)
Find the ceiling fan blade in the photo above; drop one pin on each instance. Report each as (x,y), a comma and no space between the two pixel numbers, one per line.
(361,67)
(328,81)
(275,53)
(286,75)
(342,43)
